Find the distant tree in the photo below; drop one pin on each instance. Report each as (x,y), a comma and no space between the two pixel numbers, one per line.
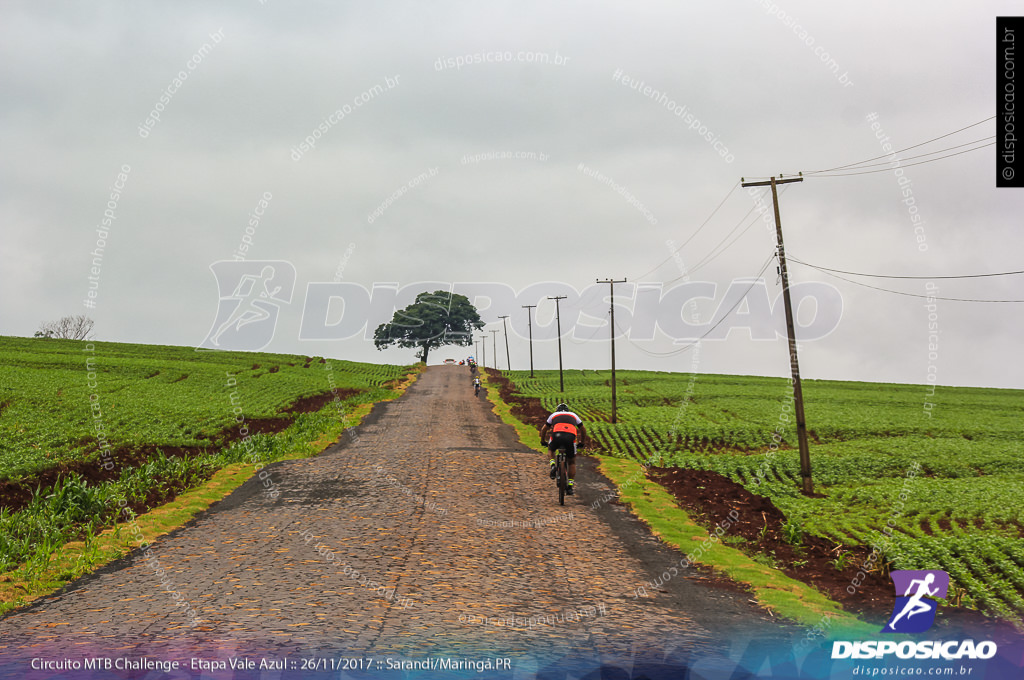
(433,320)
(77,327)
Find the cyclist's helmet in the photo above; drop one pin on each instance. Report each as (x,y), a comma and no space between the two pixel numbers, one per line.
(562,407)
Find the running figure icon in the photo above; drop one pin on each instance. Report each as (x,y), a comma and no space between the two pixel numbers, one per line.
(251,294)
(914,610)
(914,604)
(247,311)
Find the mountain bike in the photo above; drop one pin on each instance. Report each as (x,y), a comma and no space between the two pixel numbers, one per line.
(562,472)
(476,389)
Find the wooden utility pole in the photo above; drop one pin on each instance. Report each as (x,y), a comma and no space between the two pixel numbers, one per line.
(483,356)
(558,320)
(504,325)
(529,322)
(494,346)
(611,287)
(794,362)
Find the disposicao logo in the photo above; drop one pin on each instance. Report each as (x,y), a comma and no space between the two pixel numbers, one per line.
(251,294)
(912,613)
(949,650)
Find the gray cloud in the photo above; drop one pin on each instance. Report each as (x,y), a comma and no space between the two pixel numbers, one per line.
(80,79)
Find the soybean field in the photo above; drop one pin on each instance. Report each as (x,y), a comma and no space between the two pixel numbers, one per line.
(932,477)
(87,428)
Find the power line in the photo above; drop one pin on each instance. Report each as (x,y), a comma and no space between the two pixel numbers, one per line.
(703,224)
(908,165)
(910,158)
(719,323)
(710,257)
(899,292)
(731,231)
(707,259)
(935,139)
(852,166)
(885,276)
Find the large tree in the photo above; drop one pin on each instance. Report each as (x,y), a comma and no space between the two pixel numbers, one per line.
(77,327)
(433,320)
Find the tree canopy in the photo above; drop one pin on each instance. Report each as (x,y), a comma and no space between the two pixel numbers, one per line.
(77,327)
(433,320)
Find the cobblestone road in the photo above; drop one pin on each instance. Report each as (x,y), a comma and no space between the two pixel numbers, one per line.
(431,532)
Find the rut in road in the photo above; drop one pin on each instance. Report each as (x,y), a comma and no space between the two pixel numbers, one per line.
(455,532)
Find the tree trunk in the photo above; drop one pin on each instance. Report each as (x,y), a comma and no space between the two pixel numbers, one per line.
(426,350)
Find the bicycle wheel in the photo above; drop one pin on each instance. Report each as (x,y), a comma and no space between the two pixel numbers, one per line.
(562,476)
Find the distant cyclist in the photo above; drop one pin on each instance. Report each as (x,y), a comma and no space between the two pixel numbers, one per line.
(476,387)
(566,430)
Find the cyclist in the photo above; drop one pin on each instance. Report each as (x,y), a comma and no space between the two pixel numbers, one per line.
(566,430)
(476,386)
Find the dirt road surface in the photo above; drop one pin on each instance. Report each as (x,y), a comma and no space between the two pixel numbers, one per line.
(430,532)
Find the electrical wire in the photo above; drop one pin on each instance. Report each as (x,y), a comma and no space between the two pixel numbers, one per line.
(935,139)
(907,165)
(710,257)
(853,166)
(585,340)
(910,158)
(703,224)
(719,322)
(916,295)
(790,258)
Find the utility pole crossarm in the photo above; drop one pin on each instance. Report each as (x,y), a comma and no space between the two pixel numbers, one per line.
(769,182)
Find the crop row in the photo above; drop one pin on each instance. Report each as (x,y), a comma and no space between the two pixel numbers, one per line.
(989,570)
(73,509)
(135,396)
(947,482)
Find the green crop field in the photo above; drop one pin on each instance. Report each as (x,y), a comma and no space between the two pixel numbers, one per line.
(51,392)
(87,428)
(948,477)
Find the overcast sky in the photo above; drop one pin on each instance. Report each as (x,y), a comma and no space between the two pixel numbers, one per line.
(80,79)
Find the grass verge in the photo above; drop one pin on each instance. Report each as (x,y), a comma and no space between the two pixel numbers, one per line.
(527,433)
(773,590)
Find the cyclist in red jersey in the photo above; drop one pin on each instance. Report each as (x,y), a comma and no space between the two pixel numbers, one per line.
(567,429)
